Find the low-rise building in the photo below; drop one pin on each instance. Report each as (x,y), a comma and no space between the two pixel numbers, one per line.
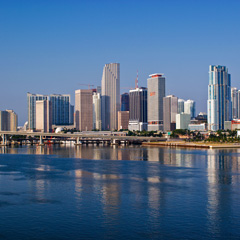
(123,120)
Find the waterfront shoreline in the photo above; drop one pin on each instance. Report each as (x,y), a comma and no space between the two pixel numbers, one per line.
(192,144)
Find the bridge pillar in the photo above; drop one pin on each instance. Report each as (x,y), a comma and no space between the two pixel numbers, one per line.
(40,141)
(78,142)
(114,142)
(4,140)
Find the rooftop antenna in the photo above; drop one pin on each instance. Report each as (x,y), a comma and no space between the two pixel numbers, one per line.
(136,81)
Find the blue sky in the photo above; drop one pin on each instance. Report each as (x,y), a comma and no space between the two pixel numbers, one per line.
(54,46)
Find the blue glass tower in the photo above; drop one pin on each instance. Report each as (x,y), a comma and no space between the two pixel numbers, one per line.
(125,102)
(61,110)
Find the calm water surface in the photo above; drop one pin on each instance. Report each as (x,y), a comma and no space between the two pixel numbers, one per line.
(85,192)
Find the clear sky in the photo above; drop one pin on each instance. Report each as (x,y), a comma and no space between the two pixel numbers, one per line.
(53,46)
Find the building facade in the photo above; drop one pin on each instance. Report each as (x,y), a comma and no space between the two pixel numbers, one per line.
(123,120)
(8,120)
(61,109)
(43,116)
(138,109)
(97,122)
(84,109)
(125,102)
(32,98)
(170,110)
(234,99)
(181,105)
(190,108)
(219,97)
(110,89)
(182,120)
(156,93)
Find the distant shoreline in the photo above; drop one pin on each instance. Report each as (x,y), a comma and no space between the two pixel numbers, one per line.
(209,145)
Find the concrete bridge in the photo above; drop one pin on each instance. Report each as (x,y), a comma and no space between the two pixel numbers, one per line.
(80,138)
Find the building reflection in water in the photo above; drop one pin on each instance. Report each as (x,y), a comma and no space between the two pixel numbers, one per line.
(220,165)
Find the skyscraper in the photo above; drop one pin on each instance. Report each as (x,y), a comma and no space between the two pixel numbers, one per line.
(190,108)
(170,109)
(60,109)
(43,116)
(180,105)
(125,102)
(84,110)
(32,98)
(156,93)
(138,109)
(234,99)
(110,95)
(219,97)
(97,122)
(8,120)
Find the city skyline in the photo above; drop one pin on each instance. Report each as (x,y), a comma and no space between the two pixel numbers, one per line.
(52,47)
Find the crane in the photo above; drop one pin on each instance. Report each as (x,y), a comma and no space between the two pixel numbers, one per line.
(89,85)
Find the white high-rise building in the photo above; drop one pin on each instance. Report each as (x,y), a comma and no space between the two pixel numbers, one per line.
(219,97)
(182,120)
(97,122)
(189,108)
(156,93)
(110,96)
(44,116)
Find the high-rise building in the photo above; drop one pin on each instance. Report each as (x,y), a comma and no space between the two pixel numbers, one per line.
(234,99)
(180,105)
(97,122)
(190,108)
(43,116)
(123,120)
(125,102)
(60,109)
(71,115)
(238,104)
(8,120)
(182,120)
(156,93)
(170,109)
(219,97)
(84,110)
(110,95)
(138,109)
(32,98)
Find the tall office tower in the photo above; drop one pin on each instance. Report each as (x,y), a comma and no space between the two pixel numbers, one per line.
(84,110)
(110,95)
(190,108)
(180,105)
(32,98)
(138,109)
(123,120)
(60,109)
(97,122)
(219,97)
(170,109)
(234,99)
(8,120)
(156,93)
(238,104)
(71,121)
(125,102)
(44,116)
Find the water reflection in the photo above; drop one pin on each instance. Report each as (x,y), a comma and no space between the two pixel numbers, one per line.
(160,189)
